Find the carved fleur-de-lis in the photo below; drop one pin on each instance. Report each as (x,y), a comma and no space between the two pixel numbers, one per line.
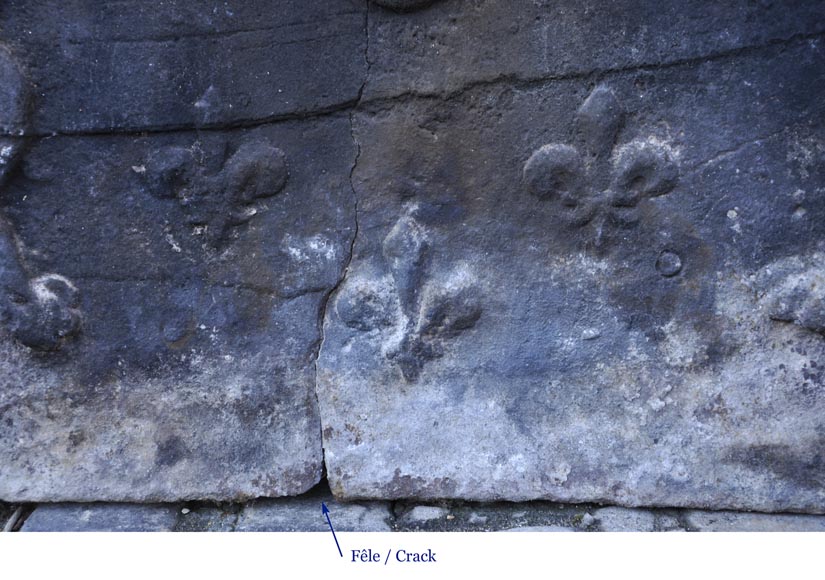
(218,202)
(596,183)
(423,312)
(42,311)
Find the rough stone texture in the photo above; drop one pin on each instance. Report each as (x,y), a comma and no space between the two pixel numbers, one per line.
(403,5)
(207,518)
(484,517)
(480,250)
(130,66)
(440,50)
(304,515)
(542,529)
(616,519)
(424,513)
(543,516)
(101,518)
(191,374)
(562,281)
(162,292)
(748,522)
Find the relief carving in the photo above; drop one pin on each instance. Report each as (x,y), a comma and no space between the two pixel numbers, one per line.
(595,183)
(217,204)
(40,311)
(420,311)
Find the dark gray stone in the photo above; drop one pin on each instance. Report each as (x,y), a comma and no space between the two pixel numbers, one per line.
(132,67)
(455,44)
(10,516)
(101,518)
(403,5)
(477,250)
(560,288)
(163,347)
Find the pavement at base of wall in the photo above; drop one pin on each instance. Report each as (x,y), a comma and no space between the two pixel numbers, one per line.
(304,514)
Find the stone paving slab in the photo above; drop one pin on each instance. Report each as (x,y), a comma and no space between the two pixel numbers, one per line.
(303,514)
(748,522)
(101,518)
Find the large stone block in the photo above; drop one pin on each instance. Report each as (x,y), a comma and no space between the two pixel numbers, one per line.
(162,312)
(452,248)
(445,46)
(133,66)
(599,288)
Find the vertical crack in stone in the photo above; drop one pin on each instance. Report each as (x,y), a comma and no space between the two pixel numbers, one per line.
(345,270)
(18,518)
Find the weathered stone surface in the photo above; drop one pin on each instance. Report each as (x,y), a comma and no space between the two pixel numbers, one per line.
(477,250)
(164,348)
(490,517)
(542,529)
(578,289)
(749,522)
(424,513)
(207,518)
(132,67)
(616,519)
(101,518)
(403,5)
(304,515)
(452,44)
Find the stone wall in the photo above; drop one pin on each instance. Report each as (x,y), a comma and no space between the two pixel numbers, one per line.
(427,250)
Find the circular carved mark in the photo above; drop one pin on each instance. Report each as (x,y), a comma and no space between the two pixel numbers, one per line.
(668,264)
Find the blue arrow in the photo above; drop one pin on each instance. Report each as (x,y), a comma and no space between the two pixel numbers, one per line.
(325,511)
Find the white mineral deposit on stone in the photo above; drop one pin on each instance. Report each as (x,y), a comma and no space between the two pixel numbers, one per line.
(174,245)
(558,475)
(42,290)
(425,513)
(591,334)
(587,520)
(310,249)
(476,519)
